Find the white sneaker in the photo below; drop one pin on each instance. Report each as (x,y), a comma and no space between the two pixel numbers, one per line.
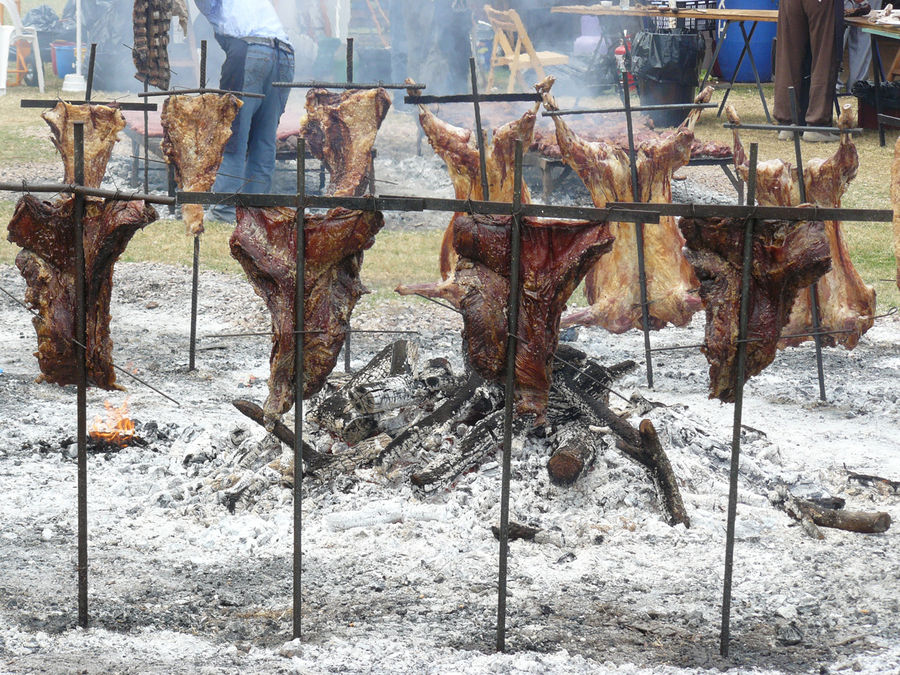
(785,135)
(821,137)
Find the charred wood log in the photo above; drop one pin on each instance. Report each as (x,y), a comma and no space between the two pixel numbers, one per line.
(475,446)
(313,459)
(516,531)
(811,515)
(448,410)
(573,456)
(875,481)
(642,446)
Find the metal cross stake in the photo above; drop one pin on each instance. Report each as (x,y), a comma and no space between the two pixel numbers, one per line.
(299,336)
(515,238)
(195,270)
(639,231)
(738,406)
(813,289)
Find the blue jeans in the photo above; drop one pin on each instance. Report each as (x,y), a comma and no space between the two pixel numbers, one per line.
(249,160)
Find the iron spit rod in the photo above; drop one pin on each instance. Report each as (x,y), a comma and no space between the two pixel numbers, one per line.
(319,84)
(81,365)
(349,60)
(199,90)
(299,322)
(515,236)
(725,635)
(485,189)
(86,191)
(146,131)
(788,127)
(195,281)
(203,64)
(122,105)
(92,59)
(637,108)
(813,288)
(639,233)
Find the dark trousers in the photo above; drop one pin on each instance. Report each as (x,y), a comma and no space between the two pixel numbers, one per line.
(807,29)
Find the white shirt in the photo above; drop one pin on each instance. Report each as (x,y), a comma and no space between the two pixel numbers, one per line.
(243,18)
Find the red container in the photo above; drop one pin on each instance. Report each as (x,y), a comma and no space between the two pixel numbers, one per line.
(869,120)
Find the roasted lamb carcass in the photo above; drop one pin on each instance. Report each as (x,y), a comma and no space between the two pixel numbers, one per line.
(846,303)
(555,256)
(102,125)
(611,286)
(45,232)
(340,131)
(787,257)
(459,150)
(195,131)
(264,242)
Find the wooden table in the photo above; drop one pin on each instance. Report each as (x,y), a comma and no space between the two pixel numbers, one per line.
(729,16)
(874,31)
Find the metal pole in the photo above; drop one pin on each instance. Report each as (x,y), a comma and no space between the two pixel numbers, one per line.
(639,231)
(299,322)
(814,287)
(347,366)
(485,190)
(738,408)
(195,270)
(515,237)
(90,76)
(349,60)
(170,175)
(81,364)
(195,281)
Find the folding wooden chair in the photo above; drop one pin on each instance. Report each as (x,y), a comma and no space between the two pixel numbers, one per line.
(512,48)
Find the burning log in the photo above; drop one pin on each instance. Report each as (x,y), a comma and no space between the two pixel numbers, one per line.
(811,515)
(642,444)
(883,484)
(573,457)
(313,459)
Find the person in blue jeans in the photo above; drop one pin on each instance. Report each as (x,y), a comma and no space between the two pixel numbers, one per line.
(257,53)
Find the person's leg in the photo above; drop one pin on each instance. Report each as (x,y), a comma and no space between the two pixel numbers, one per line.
(790,49)
(229,178)
(271,66)
(859,52)
(823,17)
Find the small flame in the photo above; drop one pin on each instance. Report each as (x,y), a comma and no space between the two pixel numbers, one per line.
(117,428)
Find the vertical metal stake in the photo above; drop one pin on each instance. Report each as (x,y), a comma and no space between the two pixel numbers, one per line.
(146,140)
(195,281)
(515,237)
(479,135)
(813,288)
(170,175)
(81,364)
(349,59)
(203,64)
(300,335)
(90,74)
(639,232)
(347,366)
(725,634)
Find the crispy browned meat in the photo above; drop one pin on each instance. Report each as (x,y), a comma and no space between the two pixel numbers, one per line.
(102,125)
(895,201)
(846,303)
(459,150)
(195,131)
(265,244)
(555,256)
(151,20)
(45,232)
(786,258)
(340,130)
(612,284)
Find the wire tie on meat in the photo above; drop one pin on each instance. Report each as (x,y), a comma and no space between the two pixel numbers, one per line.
(438,302)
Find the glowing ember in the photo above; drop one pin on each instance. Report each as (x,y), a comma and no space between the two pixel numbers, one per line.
(117,428)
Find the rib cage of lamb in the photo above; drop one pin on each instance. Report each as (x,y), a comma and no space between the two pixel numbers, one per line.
(340,130)
(846,303)
(458,149)
(612,286)
(46,233)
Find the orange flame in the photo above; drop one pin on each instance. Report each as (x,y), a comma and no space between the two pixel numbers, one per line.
(117,428)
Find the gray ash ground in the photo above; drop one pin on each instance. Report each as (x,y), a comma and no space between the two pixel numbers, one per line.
(397,582)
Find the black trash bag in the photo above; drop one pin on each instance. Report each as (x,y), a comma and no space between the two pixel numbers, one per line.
(667,57)
(42,18)
(888,92)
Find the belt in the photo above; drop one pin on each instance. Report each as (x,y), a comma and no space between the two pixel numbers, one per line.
(274,43)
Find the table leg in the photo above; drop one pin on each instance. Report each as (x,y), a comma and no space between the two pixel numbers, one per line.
(762,97)
(715,54)
(877,75)
(738,67)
